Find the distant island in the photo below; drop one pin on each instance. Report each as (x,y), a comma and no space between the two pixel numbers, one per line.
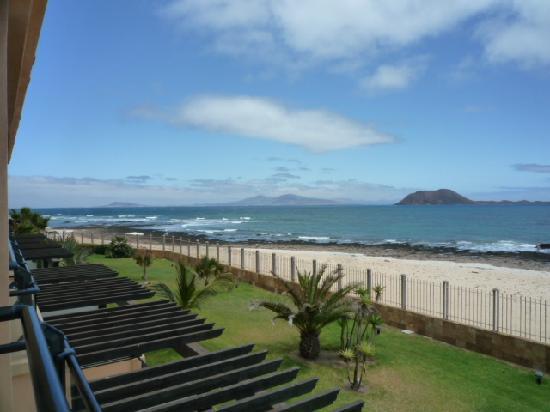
(121,205)
(450,197)
(284,200)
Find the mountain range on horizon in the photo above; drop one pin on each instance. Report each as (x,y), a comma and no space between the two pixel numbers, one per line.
(422,197)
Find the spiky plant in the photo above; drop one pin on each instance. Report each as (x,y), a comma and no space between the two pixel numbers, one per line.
(188,293)
(144,258)
(80,253)
(356,360)
(314,307)
(208,269)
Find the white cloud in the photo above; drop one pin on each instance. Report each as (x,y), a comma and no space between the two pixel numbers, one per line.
(348,33)
(520,35)
(316,130)
(392,77)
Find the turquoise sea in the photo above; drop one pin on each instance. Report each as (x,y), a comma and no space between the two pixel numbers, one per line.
(464,227)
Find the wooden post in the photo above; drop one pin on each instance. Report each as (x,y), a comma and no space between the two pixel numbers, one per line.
(102,239)
(81,237)
(445,298)
(180,246)
(92,237)
(369,282)
(150,240)
(340,271)
(198,249)
(218,251)
(229,256)
(189,248)
(274,264)
(403,289)
(173,243)
(163,242)
(314,267)
(495,309)
(242,258)
(293,269)
(206,246)
(257,261)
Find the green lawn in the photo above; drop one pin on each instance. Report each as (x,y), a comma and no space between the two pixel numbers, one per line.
(410,373)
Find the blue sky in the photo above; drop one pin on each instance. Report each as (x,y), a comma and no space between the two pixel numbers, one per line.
(179,102)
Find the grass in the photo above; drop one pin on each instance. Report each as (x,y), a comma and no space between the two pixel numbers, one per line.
(411,373)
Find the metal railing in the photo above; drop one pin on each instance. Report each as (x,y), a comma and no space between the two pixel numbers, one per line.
(48,352)
(505,313)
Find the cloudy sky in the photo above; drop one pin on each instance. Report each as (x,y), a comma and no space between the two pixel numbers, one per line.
(178,102)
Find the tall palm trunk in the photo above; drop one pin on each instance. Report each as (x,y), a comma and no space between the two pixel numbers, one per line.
(310,345)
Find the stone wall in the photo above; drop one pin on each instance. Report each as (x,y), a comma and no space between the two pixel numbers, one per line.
(509,348)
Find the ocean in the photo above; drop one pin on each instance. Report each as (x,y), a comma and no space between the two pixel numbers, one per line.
(507,228)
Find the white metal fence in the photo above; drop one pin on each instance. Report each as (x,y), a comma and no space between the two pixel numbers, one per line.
(509,314)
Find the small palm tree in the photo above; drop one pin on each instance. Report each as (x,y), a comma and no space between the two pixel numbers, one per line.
(315,306)
(27,221)
(356,360)
(209,268)
(80,253)
(144,258)
(188,294)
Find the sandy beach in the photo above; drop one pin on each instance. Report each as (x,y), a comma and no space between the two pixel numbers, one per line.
(513,274)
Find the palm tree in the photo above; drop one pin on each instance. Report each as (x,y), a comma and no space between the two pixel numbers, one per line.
(80,253)
(144,258)
(188,294)
(208,268)
(27,221)
(315,306)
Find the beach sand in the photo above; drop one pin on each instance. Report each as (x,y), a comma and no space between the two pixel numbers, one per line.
(510,274)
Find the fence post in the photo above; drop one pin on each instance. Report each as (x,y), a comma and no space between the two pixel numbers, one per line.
(229,256)
(369,281)
(403,279)
(137,241)
(180,246)
(274,264)
(339,271)
(293,269)
(257,261)
(314,267)
(92,237)
(81,237)
(218,251)
(189,248)
(163,241)
(445,303)
(173,243)
(495,309)
(150,240)
(198,249)
(206,245)
(242,258)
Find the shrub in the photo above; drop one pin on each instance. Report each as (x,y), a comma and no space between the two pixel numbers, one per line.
(119,248)
(100,249)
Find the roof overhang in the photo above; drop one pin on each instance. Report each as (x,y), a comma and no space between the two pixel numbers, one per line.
(24,24)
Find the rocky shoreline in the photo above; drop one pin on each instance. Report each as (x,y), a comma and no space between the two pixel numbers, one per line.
(517,260)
